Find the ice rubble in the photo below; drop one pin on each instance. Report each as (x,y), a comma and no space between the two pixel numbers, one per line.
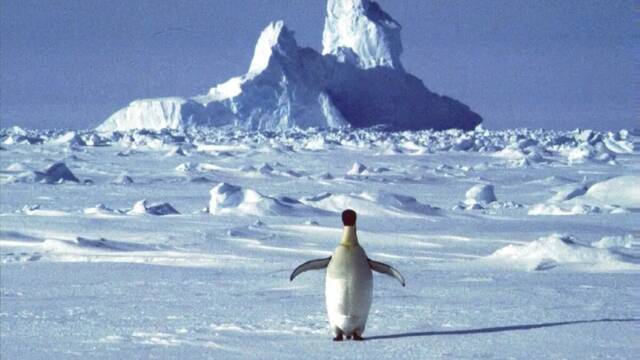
(177,151)
(142,207)
(56,173)
(535,147)
(17,135)
(37,210)
(102,210)
(482,197)
(186,167)
(481,194)
(123,179)
(520,147)
(358,81)
(70,138)
(358,169)
(266,169)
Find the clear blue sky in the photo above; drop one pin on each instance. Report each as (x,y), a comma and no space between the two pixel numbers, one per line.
(554,64)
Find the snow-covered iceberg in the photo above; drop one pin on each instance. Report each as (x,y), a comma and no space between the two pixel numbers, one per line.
(358,81)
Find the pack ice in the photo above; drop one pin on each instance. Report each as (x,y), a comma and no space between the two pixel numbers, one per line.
(358,81)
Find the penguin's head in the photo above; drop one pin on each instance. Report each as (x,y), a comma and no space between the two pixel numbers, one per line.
(349,237)
(349,218)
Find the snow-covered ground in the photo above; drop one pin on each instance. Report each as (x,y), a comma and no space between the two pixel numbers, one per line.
(514,244)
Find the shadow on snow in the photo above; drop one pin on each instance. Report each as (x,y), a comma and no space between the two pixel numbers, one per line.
(496,329)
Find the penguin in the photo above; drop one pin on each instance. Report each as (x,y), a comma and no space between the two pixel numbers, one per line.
(349,282)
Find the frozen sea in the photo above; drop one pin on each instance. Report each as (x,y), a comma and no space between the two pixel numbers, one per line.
(514,243)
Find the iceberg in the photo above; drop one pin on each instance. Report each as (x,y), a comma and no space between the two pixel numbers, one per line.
(357,81)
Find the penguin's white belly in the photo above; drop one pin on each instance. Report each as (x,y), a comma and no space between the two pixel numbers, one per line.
(348,292)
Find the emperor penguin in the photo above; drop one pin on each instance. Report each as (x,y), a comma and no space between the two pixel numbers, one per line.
(349,282)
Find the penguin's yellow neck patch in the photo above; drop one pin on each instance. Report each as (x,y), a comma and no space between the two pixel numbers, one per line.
(349,237)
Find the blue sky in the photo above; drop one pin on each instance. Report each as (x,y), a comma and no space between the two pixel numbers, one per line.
(552,64)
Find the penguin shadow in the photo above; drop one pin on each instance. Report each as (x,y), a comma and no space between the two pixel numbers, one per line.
(496,329)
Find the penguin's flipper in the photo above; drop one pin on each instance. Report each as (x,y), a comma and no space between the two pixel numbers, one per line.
(386,269)
(310,265)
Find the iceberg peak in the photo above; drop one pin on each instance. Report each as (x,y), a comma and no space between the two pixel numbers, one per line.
(275,38)
(363,29)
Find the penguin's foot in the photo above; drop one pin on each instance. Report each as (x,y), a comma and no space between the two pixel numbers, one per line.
(338,337)
(357,337)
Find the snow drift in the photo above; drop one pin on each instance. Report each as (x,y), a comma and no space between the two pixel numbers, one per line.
(555,250)
(83,249)
(372,203)
(615,195)
(358,80)
(622,191)
(232,199)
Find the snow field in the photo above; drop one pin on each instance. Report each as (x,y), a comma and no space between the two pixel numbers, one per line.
(90,269)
